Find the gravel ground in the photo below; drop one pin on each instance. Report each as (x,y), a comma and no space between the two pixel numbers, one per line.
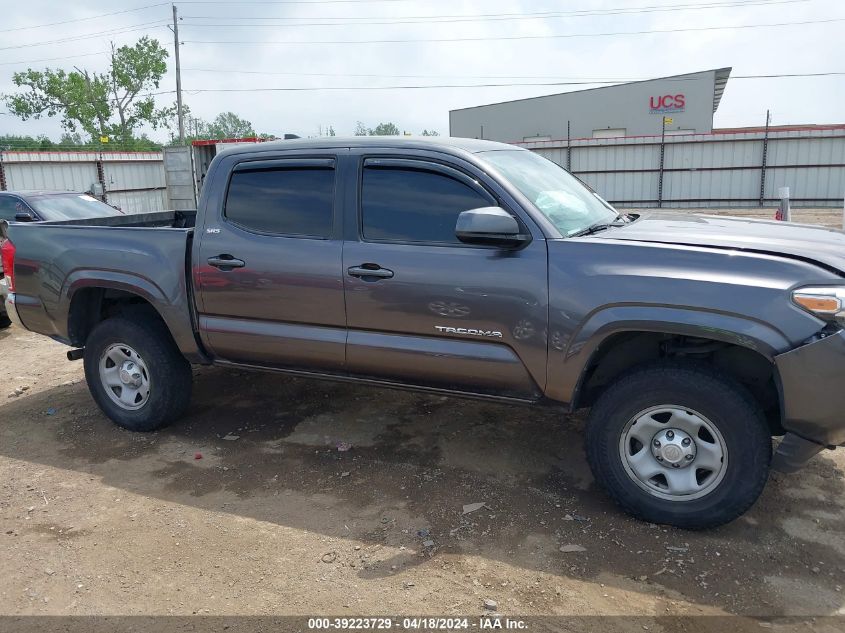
(348,500)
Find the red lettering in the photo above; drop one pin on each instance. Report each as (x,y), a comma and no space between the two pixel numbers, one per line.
(667,102)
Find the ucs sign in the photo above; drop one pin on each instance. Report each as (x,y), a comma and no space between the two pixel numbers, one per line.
(667,103)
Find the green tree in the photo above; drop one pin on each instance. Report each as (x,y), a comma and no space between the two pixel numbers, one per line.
(382,129)
(224,125)
(230,125)
(71,138)
(74,142)
(13,142)
(114,103)
(385,129)
(430,133)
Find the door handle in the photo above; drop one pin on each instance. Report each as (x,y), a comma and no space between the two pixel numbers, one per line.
(226,262)
(370,270)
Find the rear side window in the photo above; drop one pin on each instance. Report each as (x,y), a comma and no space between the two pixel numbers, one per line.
(412,205)
(282,201)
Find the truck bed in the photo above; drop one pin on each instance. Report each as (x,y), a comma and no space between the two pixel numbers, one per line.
(144,254)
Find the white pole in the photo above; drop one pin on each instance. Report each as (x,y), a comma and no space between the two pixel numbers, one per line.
(785,212)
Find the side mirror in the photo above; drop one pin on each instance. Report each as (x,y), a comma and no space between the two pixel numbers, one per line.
(23,216)
(489,225)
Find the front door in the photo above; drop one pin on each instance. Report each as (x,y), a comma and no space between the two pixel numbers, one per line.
(425,309)
(268,269)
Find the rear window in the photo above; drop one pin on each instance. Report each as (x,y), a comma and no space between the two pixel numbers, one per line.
(283,201)
(76,206)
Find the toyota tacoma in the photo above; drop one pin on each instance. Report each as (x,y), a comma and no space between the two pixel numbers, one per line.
(470,268)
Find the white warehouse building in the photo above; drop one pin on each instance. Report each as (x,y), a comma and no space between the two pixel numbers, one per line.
(631,109)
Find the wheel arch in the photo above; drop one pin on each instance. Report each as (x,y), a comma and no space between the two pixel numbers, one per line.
(91,304)
(618,339)
(91,298)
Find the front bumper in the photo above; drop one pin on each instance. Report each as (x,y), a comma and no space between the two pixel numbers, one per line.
(812,390)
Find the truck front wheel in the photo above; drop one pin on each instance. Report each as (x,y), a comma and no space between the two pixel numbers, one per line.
(135,373)
(679,444)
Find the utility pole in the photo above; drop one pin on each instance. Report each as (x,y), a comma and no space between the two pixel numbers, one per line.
(765,154)
(178,77)
(663,122)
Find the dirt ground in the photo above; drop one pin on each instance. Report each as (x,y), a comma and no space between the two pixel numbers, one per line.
(348,500)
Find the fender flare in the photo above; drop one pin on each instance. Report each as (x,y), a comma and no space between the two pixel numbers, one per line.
(175,318)
(568,367)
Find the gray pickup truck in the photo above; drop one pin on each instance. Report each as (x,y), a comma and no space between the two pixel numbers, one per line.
(468,268)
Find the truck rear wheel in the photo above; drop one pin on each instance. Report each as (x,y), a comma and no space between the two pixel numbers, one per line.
(135,373)
(680,445)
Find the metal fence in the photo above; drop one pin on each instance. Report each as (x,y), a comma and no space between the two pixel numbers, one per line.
(133,181)
(724,169)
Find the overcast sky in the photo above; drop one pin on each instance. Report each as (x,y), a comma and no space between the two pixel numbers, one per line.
(806,48)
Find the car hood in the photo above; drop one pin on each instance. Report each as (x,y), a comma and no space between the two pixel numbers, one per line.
(806,242)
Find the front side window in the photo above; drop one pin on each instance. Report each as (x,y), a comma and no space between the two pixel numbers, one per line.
(414,205)
(283,201)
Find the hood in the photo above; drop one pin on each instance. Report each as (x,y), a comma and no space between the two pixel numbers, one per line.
(806,242)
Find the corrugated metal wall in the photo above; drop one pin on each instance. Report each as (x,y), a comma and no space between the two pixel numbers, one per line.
(710,170)
(133,181)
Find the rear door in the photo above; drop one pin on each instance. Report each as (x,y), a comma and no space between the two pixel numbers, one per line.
(425,309)
(268,267)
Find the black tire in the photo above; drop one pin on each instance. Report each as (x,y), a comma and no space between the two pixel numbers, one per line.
(725,404)
(5,321)
(169,373)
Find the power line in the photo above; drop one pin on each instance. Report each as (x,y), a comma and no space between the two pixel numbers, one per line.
(572,80)
(516,37)
(382,75)
(299,2)
(788,75)
(488,17)
(484,85)
(93,17)
(98,16)
(51,59)
(86,36)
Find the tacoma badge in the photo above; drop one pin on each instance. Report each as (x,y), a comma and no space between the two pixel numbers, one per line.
(468,330)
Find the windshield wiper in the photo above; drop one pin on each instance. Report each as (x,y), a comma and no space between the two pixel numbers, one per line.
(599,226)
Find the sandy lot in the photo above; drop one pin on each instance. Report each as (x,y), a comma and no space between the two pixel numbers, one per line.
(282,520)
(340,499)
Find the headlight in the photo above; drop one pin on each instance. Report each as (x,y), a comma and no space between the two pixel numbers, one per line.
(827,303)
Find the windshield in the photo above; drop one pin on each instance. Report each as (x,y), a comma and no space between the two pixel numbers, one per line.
(74,206)
(561,197)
